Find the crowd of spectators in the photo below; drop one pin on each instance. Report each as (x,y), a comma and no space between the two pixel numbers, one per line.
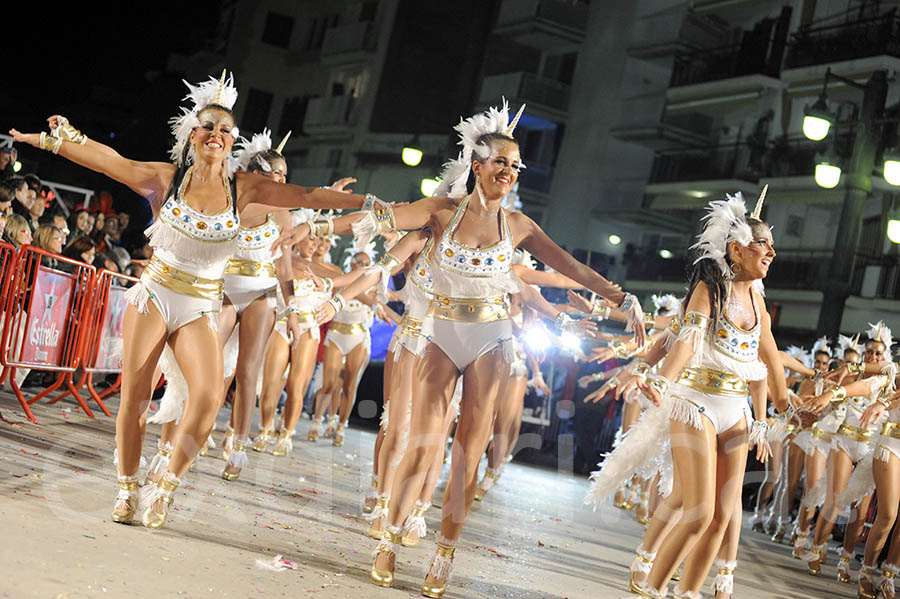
(31,214)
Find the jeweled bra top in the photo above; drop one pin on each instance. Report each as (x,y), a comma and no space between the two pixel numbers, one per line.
(256,238)
(420,273)
(733,341)
(466,261)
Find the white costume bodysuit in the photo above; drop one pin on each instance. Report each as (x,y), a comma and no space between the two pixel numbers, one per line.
(250,273)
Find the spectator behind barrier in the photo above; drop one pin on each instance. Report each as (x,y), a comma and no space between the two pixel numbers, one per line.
(8,157)
(48,237)
(90,228)
(104,261)
(17,231)
(22,197)
(79,223)
(99,223)
(82,249)
(36,211)
(7,195)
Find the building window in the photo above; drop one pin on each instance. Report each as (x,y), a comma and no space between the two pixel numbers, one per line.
(277,30)
(292,115)
(256,110)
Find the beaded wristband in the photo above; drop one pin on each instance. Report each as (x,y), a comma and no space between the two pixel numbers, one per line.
(838,393)
(649,320)
(659,382)
(48,142)
(641,369)
(337,302)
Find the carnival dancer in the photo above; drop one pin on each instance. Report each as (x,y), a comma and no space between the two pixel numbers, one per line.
(851,443)
(197,201)
(719,359)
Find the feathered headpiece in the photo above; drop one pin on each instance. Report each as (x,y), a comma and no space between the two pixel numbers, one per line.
(221,92)
(666,305)
(354,249)
(881,333)
(302,215)
(800,354)
(821,345)
(849,344)
(456,172)
(248,149)
(726,221)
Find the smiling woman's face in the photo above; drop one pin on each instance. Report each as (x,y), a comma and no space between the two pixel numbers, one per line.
(212,139)
(500,171)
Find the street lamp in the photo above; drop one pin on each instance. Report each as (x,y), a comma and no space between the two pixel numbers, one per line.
(614,239)
(828,175)
(411,156)
(892,168)
(817,119)
(893,231)
(665,254)
(428,187)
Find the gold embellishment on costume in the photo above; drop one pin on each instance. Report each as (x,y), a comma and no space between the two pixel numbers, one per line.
(838,393)
(891,429)
(183,282)
(48,142)
(649,320)
(304,316)
(790,428)
(854,432)
(472,309)
(675,326)
(388,262)
(713,382)
(601,311)
(348,328)
(696,319)
(250,268)
(411,327)
(819,434)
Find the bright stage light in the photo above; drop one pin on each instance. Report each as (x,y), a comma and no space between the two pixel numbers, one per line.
(17,166)
(892,171)
(827,175)
(428,187)
(614,239)
(816,128)
(411,156)
(537,338)
(893,231)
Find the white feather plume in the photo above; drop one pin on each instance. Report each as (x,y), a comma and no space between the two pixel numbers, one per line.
(800,354)
(302,215)
(821,345)
(247,149)
(200,95)
(666,305)
(725,221)
(354,249)
(848,344)
(880,332)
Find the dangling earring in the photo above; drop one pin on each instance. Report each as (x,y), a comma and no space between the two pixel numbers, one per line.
(735,270)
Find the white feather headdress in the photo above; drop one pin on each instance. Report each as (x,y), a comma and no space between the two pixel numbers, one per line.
(821,345)
(456,172)
(666,305)
(247,149)
(354,249)
(302,215)
(880,332)
(849,344)
(214,91)
(799,353)
(725,221)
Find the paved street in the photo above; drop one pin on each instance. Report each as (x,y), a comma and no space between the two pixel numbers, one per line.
(530,538)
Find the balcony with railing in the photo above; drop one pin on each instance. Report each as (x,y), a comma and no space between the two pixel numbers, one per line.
(346,44)
(543,24)
(831,42)
(526,88)
(332,115)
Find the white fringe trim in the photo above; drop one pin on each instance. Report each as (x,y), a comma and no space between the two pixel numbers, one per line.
(724,583)
(139,297)
(816,496)
(686,412)
(379,512)
(441,567)
(239,459)
(143,463)
(642,566)
(385,415)
(417,524)
(204,254)
(890,369)
(693,337)
(386,546)
(160,462)
(150,493)
(882,454)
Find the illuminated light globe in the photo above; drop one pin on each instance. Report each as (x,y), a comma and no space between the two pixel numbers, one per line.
(665,254)
(428,187)
(411,156)
(570,341)
(537,338)
(17,166)
(815,127)
(614,239)
(893,230)
(827,175)
(892,171)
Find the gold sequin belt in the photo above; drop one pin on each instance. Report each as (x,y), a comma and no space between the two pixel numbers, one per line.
(713,382)
(820,434)
(854,432)
(183,282)
(250,268)
(348,328)
(891,429)
(474,309)
(411,327)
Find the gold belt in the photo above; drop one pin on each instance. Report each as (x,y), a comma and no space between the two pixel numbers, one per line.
(182,282)
(854,432)
(891,429)
(821,435)
(411,327)
(714,382)
(250,268)
(306,316)
(475,309)
(790,428)
(348,328)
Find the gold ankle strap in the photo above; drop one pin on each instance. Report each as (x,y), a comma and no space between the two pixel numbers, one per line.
(393,537)
(419,511)
(240,446)
(726,571)
(128,485)
(445,550)
(888,573)
(168,483)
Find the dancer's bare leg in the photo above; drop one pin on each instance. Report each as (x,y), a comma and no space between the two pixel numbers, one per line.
(354,366)
(726,560)
(276,360)
(731,462)
(508,420)
(838,475)
(303,363)
(665,517)
(332,363)
(815,468)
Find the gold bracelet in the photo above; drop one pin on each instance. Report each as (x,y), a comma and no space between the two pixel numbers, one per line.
(884,402)
(649,320)
(659,382)
(854,367)
(838,393)
(48,142)
(69,133)
(601,311)
(696,319)
(641,369)
(620,350)
(322,229)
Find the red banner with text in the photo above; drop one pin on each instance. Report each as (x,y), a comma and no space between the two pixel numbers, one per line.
(48,314)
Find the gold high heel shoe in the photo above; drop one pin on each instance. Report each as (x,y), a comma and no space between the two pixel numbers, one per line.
(886,582)
(814,566)
(163,493)
(228,443)
(329,428)
(371,495)
(338,439)
(233,468)
(263,440)
(643,563)
(865,575)
(159,463)
(490,477)
(843,568)
(440,568)
(285,443)
(642,510)
(414,523)
(378,516)
(128,495)
(389,544)
(312,434)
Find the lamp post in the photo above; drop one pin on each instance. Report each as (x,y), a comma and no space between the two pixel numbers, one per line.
(858,184)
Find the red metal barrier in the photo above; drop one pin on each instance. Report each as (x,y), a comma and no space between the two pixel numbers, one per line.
(44,319)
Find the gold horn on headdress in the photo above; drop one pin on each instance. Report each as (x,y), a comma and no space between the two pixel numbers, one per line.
(283,141)
(856,340)
(220,99)
(759,203)
(515,121)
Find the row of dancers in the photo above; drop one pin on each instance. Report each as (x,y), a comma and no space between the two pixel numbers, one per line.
(224,266)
